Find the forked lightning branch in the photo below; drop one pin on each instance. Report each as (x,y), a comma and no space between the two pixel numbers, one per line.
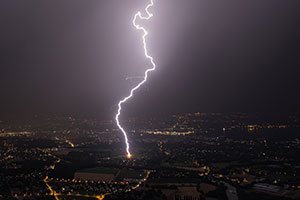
(137,16)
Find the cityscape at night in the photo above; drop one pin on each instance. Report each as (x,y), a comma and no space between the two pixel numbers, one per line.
(149,100)
(188,155)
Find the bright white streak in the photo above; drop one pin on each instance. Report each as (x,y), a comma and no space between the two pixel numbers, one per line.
(138,27)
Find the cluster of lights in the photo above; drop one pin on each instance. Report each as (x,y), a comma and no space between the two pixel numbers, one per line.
(170,132)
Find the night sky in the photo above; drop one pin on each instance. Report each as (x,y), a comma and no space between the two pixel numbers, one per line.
(212,56)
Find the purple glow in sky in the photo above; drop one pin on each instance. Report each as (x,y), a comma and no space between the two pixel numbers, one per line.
(73,56)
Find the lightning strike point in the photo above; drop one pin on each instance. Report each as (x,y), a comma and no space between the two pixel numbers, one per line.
(150,58)
(128,156)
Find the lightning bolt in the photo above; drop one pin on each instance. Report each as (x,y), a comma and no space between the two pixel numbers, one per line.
(138,15)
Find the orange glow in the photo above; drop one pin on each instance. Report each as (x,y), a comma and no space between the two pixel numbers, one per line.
(129,156)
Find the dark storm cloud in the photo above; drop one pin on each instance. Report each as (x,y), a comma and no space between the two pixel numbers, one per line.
(74,55)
